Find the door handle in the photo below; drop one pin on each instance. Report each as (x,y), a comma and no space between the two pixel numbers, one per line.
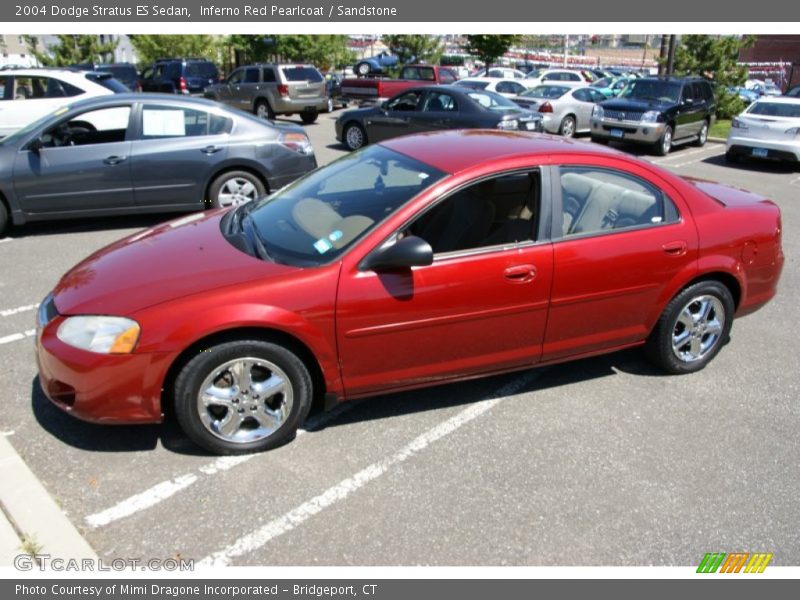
(520,273)
(115,160)
(210,149)
(675,248)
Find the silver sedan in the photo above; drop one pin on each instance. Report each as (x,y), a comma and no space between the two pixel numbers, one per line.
(566,109)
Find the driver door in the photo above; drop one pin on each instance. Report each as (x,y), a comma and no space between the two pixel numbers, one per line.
(397,118)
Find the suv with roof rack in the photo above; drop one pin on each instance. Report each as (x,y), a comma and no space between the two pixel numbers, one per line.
(268,90)
(29,94)
(187,76)
(659,111)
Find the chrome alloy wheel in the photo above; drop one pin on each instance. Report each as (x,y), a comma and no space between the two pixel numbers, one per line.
(698,328)
(245,400)
(666,142)
(354,137)
(235,191)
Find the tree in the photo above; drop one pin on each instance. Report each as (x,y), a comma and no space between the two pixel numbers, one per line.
(72,49)
(323,51)
(488,48)
(151,47)
(414,48)
(716,59)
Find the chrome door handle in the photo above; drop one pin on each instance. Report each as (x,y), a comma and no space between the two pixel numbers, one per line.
(210,149)
(115,160)
(675,248)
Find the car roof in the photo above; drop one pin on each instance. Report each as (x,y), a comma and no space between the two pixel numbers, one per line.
(456,150)
(109,99)
(780,99)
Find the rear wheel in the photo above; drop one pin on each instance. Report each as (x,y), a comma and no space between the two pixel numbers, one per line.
(264,111)
(234,188)
(567,127)
(664,144)
(363,68)
(308,117)
(242,396)
(692,328)
(702,137)
(354,136)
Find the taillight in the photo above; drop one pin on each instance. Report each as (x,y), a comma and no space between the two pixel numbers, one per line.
(297,142)
(546,107)
(138,86)
(182,84)
(283,89)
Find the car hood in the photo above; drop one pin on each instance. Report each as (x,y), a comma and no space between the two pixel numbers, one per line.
(635,104)
(175,259)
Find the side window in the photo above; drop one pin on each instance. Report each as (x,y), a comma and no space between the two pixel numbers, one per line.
(251,76)
(405,102)
(101,126)
(687,93)
(596,96)
(498,211)
(173,121)
(571,77)
(698,92)
(438,102)
(446,76)
(5,87)
(269,75)
(504,87)
(236,77)
(598,200)
(582,94)
(148,73)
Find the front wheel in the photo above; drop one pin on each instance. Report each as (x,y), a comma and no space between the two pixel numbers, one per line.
(354,136)
(363,69)
(692,328)
(664,144)
(242,396)
(264,111)
(3,217)
(234,188)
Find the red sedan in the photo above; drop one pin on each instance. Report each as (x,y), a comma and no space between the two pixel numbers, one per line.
(420,260)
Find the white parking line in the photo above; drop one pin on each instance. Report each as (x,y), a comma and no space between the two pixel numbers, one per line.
(680,155)
(5,240)
(15,337)
(340,491)
(13,311)
(166,489)
(795,181)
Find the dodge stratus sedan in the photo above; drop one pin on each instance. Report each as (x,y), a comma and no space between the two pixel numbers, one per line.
(416,261)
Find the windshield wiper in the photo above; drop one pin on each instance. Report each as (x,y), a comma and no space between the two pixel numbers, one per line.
(251,231)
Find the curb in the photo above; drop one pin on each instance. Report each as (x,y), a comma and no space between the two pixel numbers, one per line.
(717,140)
(28,509)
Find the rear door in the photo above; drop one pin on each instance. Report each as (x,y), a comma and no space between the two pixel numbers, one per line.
(439,110)
(248,88)
(176,149)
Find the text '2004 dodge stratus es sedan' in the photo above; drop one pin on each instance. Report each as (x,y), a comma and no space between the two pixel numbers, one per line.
(419,260)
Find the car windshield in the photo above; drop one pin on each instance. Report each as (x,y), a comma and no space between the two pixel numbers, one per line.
(660,91)
(775,109)
(493,102)
(317,218)
(546,91)
(474,85)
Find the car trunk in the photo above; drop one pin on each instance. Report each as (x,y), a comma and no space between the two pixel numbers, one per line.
(769,128)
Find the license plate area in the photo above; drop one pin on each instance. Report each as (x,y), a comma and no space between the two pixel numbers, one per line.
(617,133)
(760,152)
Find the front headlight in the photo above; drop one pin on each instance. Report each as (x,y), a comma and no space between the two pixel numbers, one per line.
(651,116)
(508,124)
(598,112)
(101,334)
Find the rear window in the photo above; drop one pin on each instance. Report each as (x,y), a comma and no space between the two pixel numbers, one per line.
(547,91)
(775,109)
(473,85)
(108,82)
(206,70)
(301,74)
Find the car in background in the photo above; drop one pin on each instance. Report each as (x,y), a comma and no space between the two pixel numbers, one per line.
(268,90)
(744,94)
(28,94)
(186,76)
(793,92)
(657,111)
(414,262)
(610,87)
(433,108)
(333,89)
(375,64)
(539,76)
(767,129)
(144,153)
(500,73)
(565,110)
(505,87)
(125,73)
(375,90)
(766,88)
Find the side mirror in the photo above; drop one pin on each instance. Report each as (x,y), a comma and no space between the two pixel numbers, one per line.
(411,251)
(35,145)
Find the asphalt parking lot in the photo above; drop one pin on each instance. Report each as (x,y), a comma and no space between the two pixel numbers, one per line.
(598,462)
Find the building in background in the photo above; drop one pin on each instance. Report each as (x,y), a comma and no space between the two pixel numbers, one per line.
(775,57)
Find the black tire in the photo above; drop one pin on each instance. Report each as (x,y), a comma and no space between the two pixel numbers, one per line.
(292,404)
(263,110)
(670,329)
(702,137)
(3,217)
(599,140)
(351,134)
(308,117)
(664,144)
(363,68)
(567,127)
(231,179)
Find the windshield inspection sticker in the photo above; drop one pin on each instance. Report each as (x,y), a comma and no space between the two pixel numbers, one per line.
(335,236)
(322,245)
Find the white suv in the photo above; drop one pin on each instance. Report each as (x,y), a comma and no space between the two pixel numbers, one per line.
(29,94)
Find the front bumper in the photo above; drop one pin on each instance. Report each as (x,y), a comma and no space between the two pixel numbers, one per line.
(741,145)
(627,131)
(100,388)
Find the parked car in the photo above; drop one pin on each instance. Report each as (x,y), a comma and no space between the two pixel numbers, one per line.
(658,111)
(794,92)
(505,87)
(375,64)
(539,76)
(565,110)
(610,87)
(767,129)
(333,89)
(268,90)
(125,73)
(432,108)
(744,94)
(417,261)
(500,73)
(28,94)
(766,88)
(376,90)
(144,153)
(186,76)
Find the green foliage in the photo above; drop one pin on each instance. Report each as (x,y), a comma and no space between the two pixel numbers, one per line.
(323,51)
(414,48)
(716,59)
(72,49)
(488,48)
(151,47)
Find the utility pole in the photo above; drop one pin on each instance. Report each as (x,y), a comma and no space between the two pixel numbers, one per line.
(566,45)
(662,55)
(671,54)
